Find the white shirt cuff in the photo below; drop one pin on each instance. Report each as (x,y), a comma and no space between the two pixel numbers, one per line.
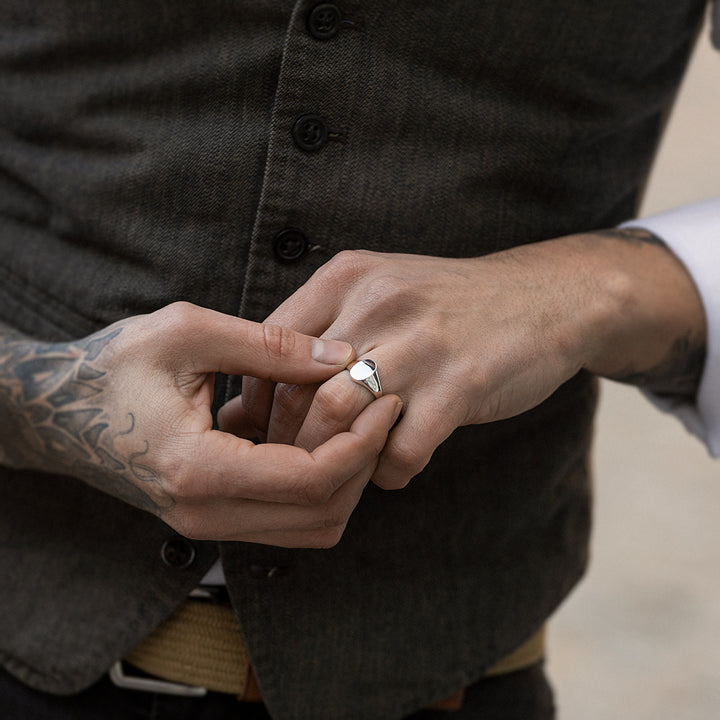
(693,234)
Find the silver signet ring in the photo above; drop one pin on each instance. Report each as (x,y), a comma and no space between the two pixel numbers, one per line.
(364,372)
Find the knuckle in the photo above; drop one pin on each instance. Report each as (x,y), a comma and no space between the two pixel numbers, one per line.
(315,491)
(342,268)
(181,308)
(406,461)
(289,399)
(178,315)
(345,262)
(386,285)
(174,322)
(384,293)
(335,518)
(334,401)
(326,538)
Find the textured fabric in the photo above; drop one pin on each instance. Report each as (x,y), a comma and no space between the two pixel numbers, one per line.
(146,155)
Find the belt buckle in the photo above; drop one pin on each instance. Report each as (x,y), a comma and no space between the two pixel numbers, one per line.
(129,682)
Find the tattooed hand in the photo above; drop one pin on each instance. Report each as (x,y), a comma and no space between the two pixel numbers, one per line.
(128,411)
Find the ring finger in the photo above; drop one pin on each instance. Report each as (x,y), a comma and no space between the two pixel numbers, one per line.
(335,405)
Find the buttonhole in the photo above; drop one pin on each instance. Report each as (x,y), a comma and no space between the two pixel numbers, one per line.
(338,134)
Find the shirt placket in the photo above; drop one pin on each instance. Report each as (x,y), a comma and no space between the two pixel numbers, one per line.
(309,134)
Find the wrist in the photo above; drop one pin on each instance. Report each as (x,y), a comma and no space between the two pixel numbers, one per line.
(644,323)
(20,386)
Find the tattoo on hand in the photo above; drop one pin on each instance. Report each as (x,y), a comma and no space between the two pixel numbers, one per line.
(51,397)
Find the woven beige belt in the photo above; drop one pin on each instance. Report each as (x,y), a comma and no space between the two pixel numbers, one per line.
(201,645)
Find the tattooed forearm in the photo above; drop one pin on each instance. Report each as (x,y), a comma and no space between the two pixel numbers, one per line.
(678,373)
(53,418)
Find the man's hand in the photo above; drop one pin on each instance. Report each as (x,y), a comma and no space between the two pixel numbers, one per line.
(128,410)
(478,340)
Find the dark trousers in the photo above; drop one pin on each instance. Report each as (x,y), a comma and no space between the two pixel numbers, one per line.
(522,695)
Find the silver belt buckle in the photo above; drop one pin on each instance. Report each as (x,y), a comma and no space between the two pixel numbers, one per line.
(128,682)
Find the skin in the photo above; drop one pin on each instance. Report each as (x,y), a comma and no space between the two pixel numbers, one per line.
(128,410)
(462,341)
(468,341)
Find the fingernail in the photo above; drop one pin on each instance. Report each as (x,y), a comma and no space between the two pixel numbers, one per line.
(331,352)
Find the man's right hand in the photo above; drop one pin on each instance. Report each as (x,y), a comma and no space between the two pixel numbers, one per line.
(128,410)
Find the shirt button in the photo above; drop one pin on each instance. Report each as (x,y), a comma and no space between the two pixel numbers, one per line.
(290,244)
(310,132)
(323,21)
(178,553)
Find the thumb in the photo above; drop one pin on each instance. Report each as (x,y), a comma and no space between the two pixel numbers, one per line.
(232,345)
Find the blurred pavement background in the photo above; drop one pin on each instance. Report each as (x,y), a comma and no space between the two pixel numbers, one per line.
(640,637)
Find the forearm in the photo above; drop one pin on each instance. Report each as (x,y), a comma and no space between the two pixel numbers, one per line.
(19,443)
